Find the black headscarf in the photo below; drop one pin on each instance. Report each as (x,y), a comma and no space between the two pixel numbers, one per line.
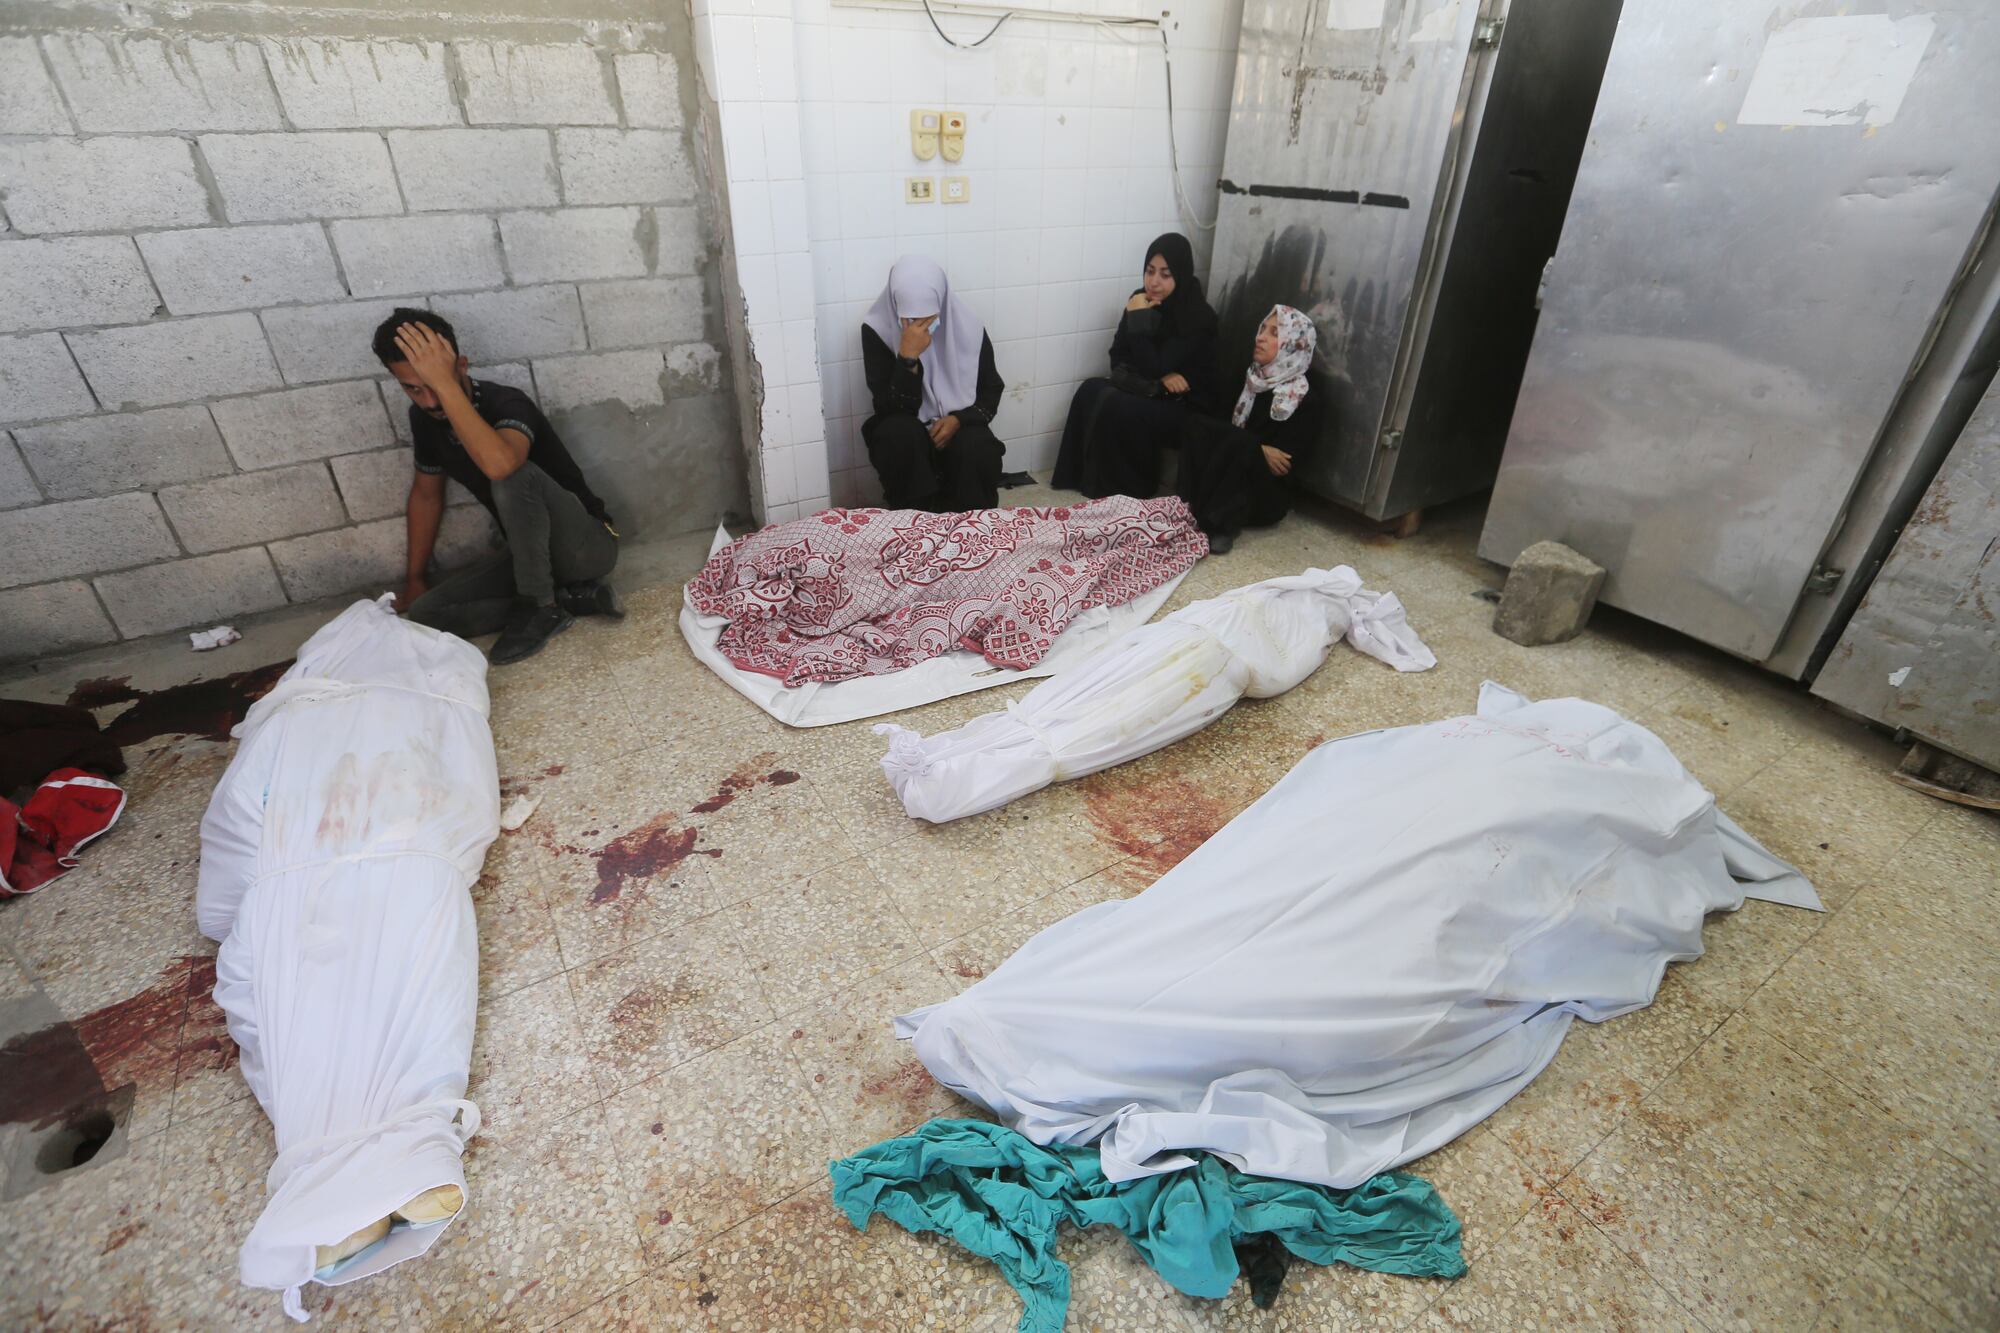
(1186,313)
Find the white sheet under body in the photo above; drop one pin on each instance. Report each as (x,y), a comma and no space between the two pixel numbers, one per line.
(1154,685)
(1369,960)
(821,704)
(337,857)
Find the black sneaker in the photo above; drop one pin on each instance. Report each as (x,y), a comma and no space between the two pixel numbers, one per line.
(528,629)
(594,598)
(1220,543)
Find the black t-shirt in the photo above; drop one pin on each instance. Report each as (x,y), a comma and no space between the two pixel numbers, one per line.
(500,406)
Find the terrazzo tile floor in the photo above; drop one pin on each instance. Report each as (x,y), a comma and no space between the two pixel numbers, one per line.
(691,952)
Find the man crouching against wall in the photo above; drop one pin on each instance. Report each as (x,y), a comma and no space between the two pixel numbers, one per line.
(492,439)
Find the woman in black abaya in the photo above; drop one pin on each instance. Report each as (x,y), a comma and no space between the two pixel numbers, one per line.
(1162,373)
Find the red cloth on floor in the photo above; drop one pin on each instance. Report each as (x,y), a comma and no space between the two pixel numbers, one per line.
(39,841)
(863,592)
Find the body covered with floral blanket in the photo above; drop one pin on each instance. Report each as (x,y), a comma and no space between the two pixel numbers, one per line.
(863,592)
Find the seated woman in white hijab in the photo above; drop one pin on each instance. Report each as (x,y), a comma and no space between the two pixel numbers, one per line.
(930,372)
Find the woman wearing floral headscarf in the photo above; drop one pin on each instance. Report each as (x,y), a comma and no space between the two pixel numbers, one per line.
(1239,475)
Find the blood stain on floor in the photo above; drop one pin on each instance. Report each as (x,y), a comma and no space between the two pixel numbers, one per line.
(199,708)
(655,847)
(1155,823)
(139,1040)
(909,1083)
(663,842)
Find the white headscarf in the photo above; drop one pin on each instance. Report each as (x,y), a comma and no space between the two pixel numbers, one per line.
(1285,377)
(918,286)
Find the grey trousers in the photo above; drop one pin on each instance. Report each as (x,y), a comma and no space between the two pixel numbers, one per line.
(551,539)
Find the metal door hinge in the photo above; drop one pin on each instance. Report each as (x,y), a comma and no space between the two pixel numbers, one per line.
(1824,579)
(1392,439)
(1486,34)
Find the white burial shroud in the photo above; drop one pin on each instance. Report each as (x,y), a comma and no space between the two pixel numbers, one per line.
(1368,961)
(1148,689)
(337,858)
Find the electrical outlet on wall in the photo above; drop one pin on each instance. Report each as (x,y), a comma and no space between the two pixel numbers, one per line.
(957,190)
(919,189)
(951,128)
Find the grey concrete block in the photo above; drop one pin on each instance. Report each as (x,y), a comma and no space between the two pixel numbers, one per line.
(175,361)
(29,103)
(649,83)
(624,166)
(233,268)
(443,169)
(517,322)
(51,618)
(107,184)
(438,252)
(285,177)
(693,368)
(373,485)
(328,342)
(119,83)
(399,406)
(300,424)
(507,84)
(631,378)
(124,451)
(205,590)
(56,541)
(574,243)
(644,311)
(329,84)
(253,507)
(516,374)
(366,559)
(663,469)
(17,487)
(79,280)
(39,380)
(1550,593)
(682,246)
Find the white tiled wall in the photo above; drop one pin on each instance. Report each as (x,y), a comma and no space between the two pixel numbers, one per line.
(1067,152)
(750,63)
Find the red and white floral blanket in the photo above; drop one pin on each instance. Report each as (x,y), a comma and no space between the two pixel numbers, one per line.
(863,592)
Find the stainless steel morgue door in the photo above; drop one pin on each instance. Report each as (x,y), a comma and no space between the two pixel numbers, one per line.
(1398,169)
(1775,205)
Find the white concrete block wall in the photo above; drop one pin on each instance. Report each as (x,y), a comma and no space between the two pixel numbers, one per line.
(197,237)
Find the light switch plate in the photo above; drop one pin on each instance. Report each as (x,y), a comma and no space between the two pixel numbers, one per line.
(919,189)
(957,190)
(924,128)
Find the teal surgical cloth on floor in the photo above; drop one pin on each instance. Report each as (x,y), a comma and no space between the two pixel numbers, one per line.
(1000,1196)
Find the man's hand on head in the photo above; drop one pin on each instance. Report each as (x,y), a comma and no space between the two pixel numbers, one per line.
(434,359)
